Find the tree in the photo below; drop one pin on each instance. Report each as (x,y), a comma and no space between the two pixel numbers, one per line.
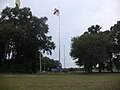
(48,64)
(22,35)
(116,62)
(115,33)
(94,29)
(115,48)
(90,48)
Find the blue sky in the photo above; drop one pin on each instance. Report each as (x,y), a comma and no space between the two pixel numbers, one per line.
(76,17)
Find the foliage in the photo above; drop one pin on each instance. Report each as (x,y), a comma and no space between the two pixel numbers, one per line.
(90,48)
(115,34)
(116,62)
(115,48)
(48,64)
(22,35)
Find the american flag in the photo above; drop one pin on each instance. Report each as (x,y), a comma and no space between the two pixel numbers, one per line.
(56,12)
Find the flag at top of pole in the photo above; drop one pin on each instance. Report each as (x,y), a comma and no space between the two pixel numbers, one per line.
(56,12)
(18,3)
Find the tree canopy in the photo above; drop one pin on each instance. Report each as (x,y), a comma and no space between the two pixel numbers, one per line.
(90,48)
(115,49)
(22,35)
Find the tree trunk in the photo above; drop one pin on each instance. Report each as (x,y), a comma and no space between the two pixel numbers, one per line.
(85,68)
(90,68)
(99,68)
(111,64)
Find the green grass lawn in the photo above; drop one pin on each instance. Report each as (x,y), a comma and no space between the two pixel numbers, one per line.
(60,82)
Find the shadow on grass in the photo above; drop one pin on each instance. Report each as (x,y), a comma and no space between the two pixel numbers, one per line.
(62,73)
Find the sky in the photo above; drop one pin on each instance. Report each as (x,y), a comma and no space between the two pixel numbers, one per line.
(75,18)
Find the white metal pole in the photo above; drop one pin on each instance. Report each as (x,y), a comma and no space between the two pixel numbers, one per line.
(59,41)
(64,56)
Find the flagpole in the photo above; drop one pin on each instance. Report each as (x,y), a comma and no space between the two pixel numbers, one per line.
(59,41)
(64,56)
(57,13)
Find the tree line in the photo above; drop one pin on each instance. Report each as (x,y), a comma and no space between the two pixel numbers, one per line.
(23,37)
(97,49)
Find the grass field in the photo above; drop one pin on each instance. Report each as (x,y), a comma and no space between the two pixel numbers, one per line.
(60,82)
